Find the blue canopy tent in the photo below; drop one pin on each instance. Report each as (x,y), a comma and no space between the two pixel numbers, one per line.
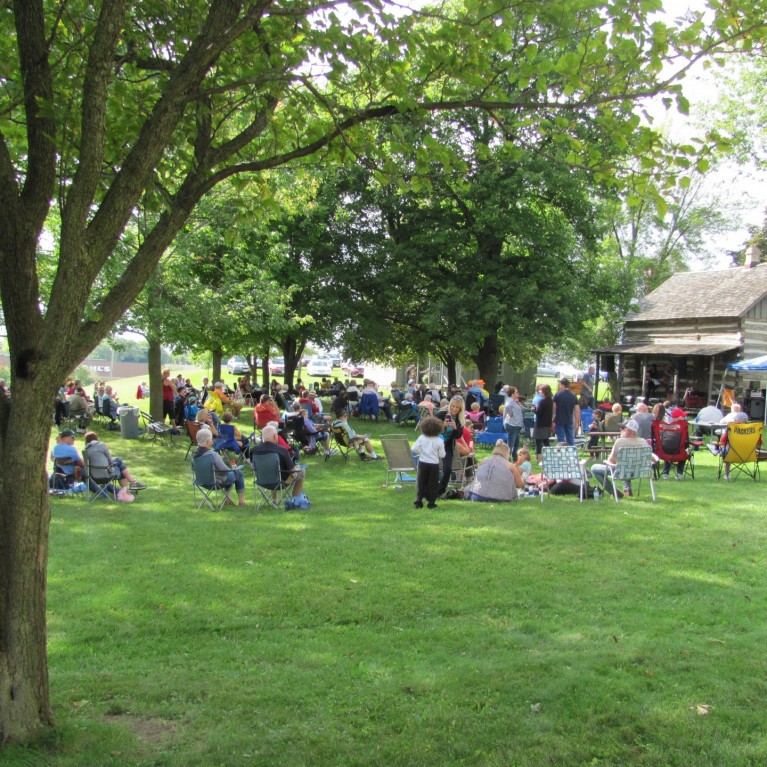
(753,365)
(756,363)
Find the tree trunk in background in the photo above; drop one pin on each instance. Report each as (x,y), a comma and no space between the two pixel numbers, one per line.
(451,364)
(251,358)
(154,362)
(292,349)
(487,359)
(218,355)
(265,368)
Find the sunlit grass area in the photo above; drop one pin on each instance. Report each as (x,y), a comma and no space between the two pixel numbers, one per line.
(364,632)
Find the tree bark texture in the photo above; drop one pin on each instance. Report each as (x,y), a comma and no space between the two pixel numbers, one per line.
(218,356)
(292,349)
(154,362)
(24,521)
(487,358)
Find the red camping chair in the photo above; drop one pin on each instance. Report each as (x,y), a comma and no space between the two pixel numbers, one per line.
(671,443)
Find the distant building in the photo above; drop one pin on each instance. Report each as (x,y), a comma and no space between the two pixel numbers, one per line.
(686,332)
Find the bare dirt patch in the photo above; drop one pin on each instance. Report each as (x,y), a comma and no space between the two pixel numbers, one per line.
(148,731)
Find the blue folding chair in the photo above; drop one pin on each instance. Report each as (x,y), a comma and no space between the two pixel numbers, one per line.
(493,431)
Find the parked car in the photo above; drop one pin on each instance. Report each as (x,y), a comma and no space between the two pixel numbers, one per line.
(353,369)
(335,359)
(277,366)
(320,366)
(546,369)
(237,366)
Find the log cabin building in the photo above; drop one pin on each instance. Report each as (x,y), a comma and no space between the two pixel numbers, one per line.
(678,343)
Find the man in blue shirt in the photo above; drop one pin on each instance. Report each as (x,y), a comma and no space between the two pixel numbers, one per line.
(65,455)
(565,413)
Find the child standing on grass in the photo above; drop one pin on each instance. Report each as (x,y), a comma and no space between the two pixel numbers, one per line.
(524,463)
(430,450)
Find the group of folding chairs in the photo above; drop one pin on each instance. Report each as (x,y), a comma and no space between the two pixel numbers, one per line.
(270,488)
(564,463)
(402,465)
(99,478)
(671,445)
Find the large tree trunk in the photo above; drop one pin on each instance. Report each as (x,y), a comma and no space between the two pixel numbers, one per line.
(265,368)
(218,355)
(24,520)
(251,358)
(154,361)
(292,349)
(451,364)
(487,358)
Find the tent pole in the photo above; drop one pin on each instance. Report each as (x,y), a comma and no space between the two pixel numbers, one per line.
(644,378)
(595,393)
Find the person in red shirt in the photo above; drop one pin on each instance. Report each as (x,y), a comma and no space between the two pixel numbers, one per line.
(168,397)
(266,410)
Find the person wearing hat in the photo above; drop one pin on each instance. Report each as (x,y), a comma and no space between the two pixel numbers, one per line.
(629,438)
(69,460)
(191,408)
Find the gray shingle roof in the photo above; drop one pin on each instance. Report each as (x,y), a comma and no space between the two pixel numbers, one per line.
(719,293)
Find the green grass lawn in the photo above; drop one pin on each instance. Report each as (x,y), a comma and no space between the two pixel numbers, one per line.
(364,632)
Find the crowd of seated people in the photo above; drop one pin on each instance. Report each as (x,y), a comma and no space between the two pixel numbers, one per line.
(73,402)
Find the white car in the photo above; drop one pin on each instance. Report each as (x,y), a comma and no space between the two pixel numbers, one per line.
(320,366)
(238,366)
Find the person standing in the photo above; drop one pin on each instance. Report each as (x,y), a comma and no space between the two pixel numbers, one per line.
(587,387)
(168,397)
(544,416)
(566,413)
(430,450)
(454,420)
(513,418)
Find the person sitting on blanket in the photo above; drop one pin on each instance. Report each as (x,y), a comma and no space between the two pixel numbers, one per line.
(361,442)
(497,479)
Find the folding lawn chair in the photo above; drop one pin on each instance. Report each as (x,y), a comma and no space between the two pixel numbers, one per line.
(399,458)
(671,443)
(340,437)
(100,477)
(422,412)
(406,412)
(61,482)
(192,427)
(212,494)
(633,462)
(493,431)
(369,406)
(560,463)
(267,480)
(459,470)
(742,449)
